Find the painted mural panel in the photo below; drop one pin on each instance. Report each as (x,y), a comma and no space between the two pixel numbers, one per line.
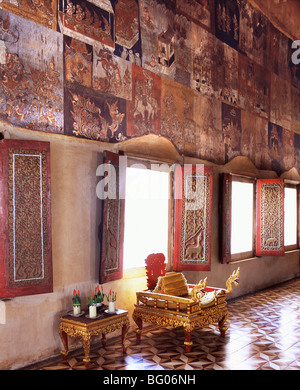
(198,11)
(297,151)
(39,11)
(183,48)
(294,69)
(262,81)
(253,87)
(177,115)
(295,101)
(287,149)
(275,146)
(229,91)
(253,34)
(94,116)
(209,137)
(205,62)
(127,34)
(231,127)
(166,41)
(254,139)
(215,67)
(92,22)
(227,17)
(144,110)
(31,75)
(246,89)
(278,53)
(78,60)
(158,37)
(112,74)
(280,102)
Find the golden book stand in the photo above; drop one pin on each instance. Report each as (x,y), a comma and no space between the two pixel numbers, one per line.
(175,303)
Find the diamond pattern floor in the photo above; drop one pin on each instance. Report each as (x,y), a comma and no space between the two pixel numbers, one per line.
(263,334)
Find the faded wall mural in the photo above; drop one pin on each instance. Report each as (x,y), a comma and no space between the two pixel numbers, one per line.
(215,77)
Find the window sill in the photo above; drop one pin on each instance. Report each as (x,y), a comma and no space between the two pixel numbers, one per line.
(134,273)
(256,257)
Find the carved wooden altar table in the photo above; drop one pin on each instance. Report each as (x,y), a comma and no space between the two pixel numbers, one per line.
(198,306)
(86,328)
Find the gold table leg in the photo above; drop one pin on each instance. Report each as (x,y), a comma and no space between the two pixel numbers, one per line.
(86,340)
(64,339)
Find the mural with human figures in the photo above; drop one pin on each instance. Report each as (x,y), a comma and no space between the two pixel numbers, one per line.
(31,75)
(216,78)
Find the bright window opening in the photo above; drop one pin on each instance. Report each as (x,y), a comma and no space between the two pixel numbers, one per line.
(290,216)
(242,217)
(146,215)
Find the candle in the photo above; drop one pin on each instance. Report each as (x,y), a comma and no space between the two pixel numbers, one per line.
(93,311)
(111,307)
(76,309)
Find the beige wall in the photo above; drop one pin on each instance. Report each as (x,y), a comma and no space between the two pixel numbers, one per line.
(29,325)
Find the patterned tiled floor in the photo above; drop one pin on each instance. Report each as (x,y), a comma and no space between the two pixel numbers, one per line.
(263,334)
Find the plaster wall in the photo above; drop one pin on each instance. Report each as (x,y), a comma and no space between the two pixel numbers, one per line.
(29,325)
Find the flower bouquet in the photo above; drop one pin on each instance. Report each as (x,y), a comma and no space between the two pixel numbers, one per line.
(111,298)
(99,295)
(76,302)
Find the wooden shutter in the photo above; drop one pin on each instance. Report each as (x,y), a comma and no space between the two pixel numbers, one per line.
(270,217)
(193,203)
(112,231)
(25,218)
(226,218)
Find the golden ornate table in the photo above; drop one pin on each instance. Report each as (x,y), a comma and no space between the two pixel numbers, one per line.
(86,328)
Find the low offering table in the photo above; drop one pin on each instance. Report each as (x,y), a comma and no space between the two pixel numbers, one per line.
(85,328)
(175,303)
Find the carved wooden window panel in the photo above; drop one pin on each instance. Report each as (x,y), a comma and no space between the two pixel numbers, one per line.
(270,217)
(269,221)
(113,218)
(112,221)
(192,214)
(25,218)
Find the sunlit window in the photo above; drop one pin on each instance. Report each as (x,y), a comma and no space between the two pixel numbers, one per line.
(290,216)
(242,217)
(146,215)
